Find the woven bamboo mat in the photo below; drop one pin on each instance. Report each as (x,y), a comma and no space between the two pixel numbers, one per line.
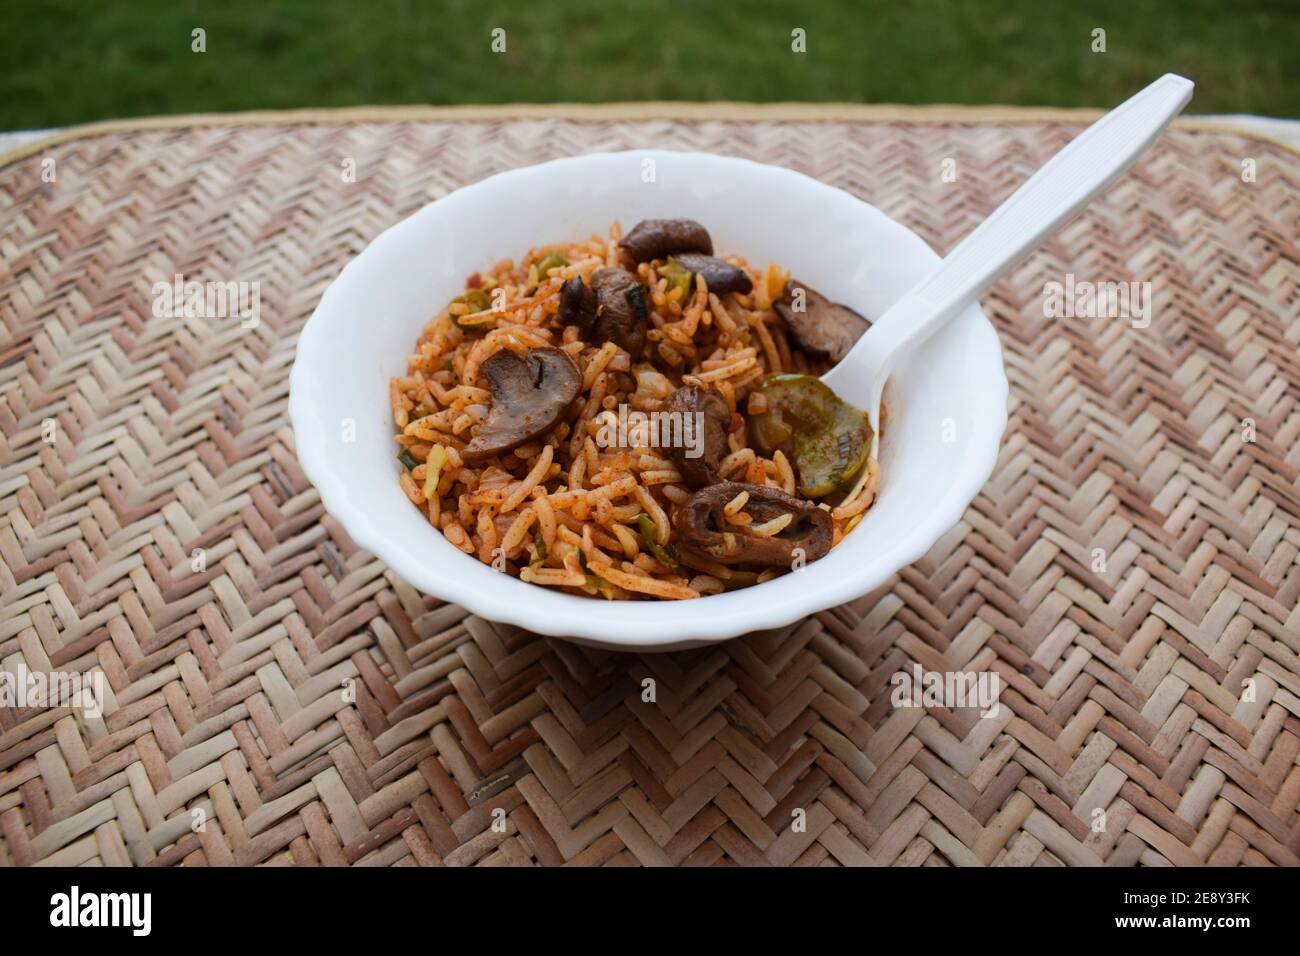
(1129,573)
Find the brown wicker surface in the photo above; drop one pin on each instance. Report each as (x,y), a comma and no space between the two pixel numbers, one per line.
(1123,687)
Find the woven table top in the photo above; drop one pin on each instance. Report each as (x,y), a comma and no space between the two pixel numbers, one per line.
(1129,573)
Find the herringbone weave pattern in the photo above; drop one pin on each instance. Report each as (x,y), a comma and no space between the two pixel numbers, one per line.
(1130,571)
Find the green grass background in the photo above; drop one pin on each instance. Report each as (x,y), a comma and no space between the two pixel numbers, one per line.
(69,61)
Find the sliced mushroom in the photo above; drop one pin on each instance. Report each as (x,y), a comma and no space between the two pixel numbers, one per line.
(660,238)
(621,312)
(529,395)
(705,422)
(720,276)
(577,304)
(704,527)
(819,325)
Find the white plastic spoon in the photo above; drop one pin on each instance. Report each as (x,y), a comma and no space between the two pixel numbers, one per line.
(1048,199)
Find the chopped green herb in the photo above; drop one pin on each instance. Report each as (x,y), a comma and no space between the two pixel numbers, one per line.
(603,587)
(408,460)
(665,554)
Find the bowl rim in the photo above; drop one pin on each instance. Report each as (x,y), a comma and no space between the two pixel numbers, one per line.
(631,625)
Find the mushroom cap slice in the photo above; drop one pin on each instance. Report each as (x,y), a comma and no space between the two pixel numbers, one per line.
(614,308)
(529,395)
(821,326)
(720,276)
(704,527)
(577,304)
(708,432)
(660,238)
(622,313)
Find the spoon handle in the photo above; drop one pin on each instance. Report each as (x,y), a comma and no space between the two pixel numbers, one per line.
(1050,197)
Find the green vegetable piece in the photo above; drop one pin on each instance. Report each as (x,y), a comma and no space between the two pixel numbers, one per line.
(476,300)
(549,262)
(678,276)
(827,438)
(603,587)
(665,554)
(408,460)
(539,543)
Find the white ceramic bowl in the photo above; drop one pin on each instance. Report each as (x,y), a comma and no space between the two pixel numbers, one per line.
(946,403)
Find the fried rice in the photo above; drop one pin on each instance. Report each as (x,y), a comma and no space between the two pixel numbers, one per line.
(560,510)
